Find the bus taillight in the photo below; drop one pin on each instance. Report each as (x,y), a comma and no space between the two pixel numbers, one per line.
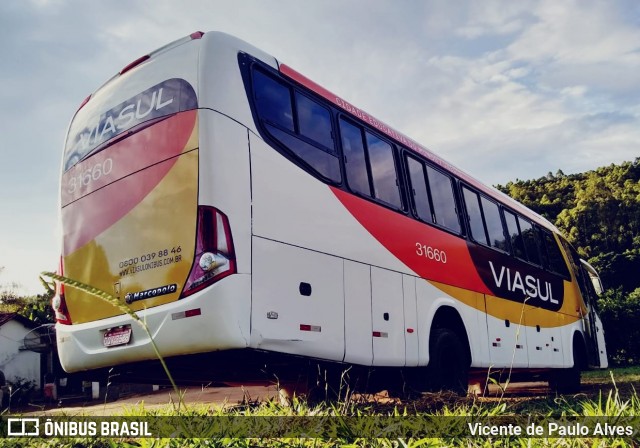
(214,257)
(58,303)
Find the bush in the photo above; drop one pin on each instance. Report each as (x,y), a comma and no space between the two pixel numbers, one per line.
(620,314)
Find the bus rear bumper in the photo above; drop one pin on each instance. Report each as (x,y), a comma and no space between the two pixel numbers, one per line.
(216,318)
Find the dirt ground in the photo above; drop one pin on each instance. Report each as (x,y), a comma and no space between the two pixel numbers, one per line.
(231,396)
(210,396)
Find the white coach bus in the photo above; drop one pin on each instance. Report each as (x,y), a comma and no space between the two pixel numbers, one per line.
(259,222)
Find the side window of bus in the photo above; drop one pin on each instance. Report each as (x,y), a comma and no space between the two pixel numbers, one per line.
(474,214)
(433,196)
(485,223)
(517,244)
(370,164)
(445,211)
(307,132)
(530,239)
(273,100)
(355,161)
(552,256)
(418,189)
(383,171)
(315,121)
(492,219)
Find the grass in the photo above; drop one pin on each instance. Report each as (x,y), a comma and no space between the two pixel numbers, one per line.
(622,375)
(364,422)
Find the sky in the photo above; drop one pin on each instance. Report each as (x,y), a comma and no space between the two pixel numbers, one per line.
(504,90)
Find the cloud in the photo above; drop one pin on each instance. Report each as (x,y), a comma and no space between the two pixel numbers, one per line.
(542,101)
(494,18)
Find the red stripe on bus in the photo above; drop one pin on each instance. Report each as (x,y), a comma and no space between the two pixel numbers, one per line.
(401,236)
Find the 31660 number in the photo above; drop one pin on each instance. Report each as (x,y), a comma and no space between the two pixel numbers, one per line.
(431,253)
(91,174)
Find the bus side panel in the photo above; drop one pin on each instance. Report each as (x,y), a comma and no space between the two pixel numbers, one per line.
(225,181)
(298,301)
(507,337)
(413,333)
(604,362)
(545,342)
(357,313)
(387,306)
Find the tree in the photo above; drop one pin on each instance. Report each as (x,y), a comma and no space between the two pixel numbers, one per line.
(620,314)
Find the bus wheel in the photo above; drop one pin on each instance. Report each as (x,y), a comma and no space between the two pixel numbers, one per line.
(567,381)
(448,367)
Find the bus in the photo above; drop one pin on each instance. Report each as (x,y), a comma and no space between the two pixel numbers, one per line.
(259,223)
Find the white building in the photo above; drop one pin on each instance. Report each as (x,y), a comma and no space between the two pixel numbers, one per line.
(15,361)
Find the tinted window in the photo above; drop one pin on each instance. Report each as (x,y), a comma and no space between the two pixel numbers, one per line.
(530,241)
(383,171)
(354,157)
(325,164)
(419,189)
(444,203)
(494,224)
(553,256)
(314,121)
(517,245)
(273,100)
(307,133)
(476,226)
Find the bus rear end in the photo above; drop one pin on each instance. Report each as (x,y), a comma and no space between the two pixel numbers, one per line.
(133,226)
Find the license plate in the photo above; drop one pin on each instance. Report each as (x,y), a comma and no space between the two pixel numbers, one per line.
(117,336)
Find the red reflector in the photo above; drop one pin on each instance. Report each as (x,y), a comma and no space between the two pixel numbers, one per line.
(380,334)
(498,339)
(376,334)
(194,312)
(409,330)
(305,327)
(140,60)
(196,35)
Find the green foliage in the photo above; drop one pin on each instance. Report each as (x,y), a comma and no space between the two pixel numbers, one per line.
(620,313)
(37,308)
(344,424)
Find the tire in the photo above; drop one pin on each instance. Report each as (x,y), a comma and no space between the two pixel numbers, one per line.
(567,381)
(448,367)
